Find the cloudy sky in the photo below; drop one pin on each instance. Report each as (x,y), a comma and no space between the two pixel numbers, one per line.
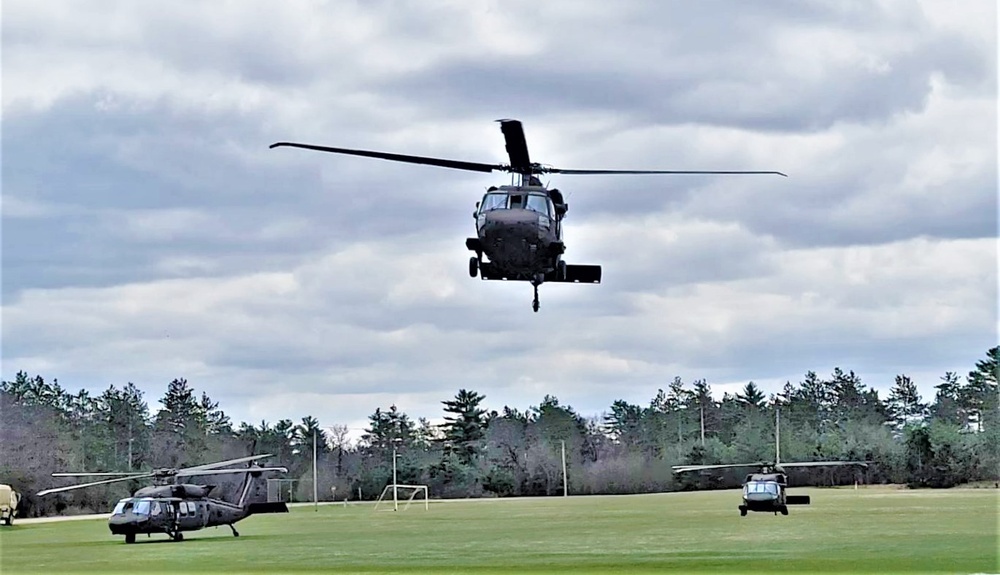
(149,233)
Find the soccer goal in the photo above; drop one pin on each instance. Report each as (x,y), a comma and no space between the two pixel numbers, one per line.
(393,492)
(281,490)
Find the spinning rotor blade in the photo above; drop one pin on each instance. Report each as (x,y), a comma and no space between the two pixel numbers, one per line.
(612,172)
(188,473)
(91,484)
(686,468)
(102,474)
(225,463)
(822,463)
(440,162)
(517,146)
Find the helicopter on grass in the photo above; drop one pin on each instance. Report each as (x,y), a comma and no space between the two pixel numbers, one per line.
(172,508)
(765,491)
(518,226)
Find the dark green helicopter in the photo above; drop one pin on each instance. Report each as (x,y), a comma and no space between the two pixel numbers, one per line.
(172,508)
(518,226)
(765,491)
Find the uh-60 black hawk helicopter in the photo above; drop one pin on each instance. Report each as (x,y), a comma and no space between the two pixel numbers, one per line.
(765,491)
(172,508)
(518,226)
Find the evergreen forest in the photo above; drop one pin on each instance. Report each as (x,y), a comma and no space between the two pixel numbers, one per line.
(950,439)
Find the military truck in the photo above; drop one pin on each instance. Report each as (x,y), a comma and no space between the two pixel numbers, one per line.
(8,504)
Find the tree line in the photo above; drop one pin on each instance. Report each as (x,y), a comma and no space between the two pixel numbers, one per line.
(953,438)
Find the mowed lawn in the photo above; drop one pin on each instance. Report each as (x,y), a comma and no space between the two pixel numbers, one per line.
(876,530)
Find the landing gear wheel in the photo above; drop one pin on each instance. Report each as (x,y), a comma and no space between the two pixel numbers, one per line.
(178,536)
(784,510)
(534,302)
(130,538)
(561,270)
(743,511)
(235,532)
(473,266)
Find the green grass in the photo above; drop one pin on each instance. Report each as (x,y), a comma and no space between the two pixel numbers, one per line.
(868,530)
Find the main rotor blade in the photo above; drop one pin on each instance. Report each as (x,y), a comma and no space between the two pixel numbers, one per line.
(613,172)
(225,463)
(686,468)
(188,473)
(103,474)
(91,484)
(822,463)
(517,146)
(440,162)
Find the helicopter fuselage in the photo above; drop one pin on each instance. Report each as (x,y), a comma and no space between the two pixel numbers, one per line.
(519,232)
(173,509)
(765,492)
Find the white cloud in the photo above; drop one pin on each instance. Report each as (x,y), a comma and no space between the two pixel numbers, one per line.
(149,233)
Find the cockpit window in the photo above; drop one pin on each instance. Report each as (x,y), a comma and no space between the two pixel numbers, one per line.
(761,487)
(538,203)
(122,506)
(494,201)
(141,507)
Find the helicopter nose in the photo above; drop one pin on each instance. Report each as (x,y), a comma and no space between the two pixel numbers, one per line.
(511,217)
(761,497)
(511,224)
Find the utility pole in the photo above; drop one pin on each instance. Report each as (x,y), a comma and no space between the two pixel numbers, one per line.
(777,435)
(702,407)
(565,483)
(315,491)
(395,500)
(130,441)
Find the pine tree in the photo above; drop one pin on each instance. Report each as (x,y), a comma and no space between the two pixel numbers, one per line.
(904,402)
(982,395)
(751,396)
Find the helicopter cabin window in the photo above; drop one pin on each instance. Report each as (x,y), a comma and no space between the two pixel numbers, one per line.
(538,203)
(494,201)
(154,508)
(761,487)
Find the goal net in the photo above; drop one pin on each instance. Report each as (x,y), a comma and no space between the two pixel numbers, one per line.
(281,490)
(393,494)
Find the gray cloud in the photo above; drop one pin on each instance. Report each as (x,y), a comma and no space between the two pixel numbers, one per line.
(148,233)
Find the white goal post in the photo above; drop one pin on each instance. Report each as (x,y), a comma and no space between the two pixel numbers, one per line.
(394,489)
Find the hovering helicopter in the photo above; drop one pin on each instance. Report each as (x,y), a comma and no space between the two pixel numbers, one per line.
(518,226)
(172,508)
(765,491)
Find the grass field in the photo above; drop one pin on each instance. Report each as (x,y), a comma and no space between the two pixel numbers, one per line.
(847,531)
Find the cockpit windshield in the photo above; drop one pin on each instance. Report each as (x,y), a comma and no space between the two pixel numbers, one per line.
(141,507)
(761,487)
(494,201)
(122,506)
(538,203)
